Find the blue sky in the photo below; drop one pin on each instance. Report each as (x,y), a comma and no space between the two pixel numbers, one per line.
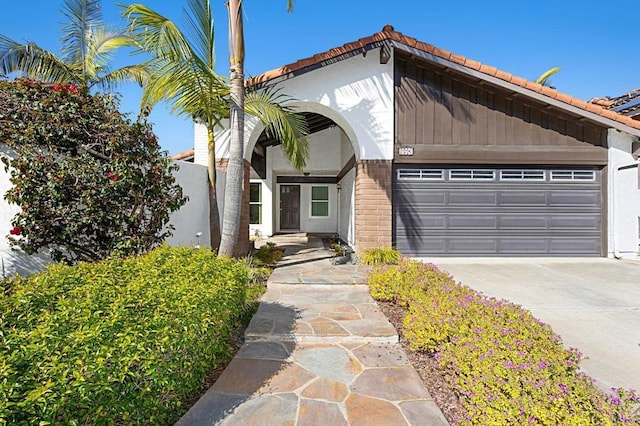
(594,42)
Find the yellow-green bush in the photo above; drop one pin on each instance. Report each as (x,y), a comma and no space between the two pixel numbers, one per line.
(122,341)
(505,365)
(380,256)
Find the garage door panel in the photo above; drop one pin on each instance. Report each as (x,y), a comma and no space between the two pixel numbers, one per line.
(471,221)
(415,246)
(422,222)
(586,223)
(523,245)
(574,199)
(413,195)
(473,245)
(519,198)
(471,198)
(522,222)
(554,216)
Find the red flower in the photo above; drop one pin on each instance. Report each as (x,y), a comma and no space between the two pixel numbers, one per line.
(113,176)
(16,230)
(24,208)
(57,88)
(72,88)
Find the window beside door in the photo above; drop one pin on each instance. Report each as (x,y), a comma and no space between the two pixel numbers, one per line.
(255,203)
(319,201)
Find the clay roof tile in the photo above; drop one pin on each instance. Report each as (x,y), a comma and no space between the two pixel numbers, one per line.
(389,33)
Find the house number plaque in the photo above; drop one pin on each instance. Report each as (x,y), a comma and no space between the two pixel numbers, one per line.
(405,150)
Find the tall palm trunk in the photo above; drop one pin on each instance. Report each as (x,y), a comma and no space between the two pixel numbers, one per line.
(235,169)
(214,213)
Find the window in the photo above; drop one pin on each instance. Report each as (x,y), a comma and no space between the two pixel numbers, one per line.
(255,203)
(420,174)
(469,174)
(522,175)
(319,201)
(573,175)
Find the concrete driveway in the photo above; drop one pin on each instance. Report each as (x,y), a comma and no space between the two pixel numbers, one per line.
(594,304)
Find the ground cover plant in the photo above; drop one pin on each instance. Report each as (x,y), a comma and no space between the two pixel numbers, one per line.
(89,181)
(504,365)
(380,256)
(267,255)
(122,341)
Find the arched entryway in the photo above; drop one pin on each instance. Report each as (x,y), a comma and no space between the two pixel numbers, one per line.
(318,199)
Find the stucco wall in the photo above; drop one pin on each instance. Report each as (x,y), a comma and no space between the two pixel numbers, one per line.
(15,261)
(193,217)
(623,197)
(346,195)
(357,93)
(324,155)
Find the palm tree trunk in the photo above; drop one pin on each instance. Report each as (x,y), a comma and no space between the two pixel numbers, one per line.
(235,169)
(214,214)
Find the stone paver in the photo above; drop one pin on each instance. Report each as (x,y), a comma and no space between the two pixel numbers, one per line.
(318,352)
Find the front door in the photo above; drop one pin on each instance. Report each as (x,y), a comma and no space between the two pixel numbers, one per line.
(289,207)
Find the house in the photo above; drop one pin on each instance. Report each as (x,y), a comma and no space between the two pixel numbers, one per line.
(419,148)
(627,104)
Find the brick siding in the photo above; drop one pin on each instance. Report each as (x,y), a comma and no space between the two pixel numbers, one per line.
(373,204)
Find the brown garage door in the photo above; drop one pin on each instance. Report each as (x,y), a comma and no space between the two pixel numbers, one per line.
(463,211)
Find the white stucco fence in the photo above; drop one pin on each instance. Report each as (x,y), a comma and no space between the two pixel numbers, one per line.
(13,261)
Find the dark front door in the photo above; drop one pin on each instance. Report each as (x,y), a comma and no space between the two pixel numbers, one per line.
(289,207)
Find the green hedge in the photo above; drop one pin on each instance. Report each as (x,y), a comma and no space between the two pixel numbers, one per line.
(506,366)
(120,341)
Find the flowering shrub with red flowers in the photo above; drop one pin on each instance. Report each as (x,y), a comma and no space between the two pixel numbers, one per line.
(89,180)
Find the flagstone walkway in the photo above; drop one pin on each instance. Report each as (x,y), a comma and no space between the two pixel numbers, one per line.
(318,352)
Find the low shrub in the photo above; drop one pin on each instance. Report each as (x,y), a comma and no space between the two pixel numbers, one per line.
(122,341)
(380,256)
(268,254)
(506,366)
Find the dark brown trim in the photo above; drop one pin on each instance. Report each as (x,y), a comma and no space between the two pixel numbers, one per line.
(307,179)
(469,154)
(347,167)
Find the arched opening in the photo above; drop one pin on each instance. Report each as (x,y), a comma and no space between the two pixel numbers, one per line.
(318,199)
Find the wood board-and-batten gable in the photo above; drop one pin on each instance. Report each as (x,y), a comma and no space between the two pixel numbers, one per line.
(443,116)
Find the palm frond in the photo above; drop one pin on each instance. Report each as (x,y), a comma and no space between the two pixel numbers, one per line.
(157,34)
(543,79)
(33,61)
(191,91)
(82,16)
(102,43)
(137,73)
(200,30)
(290,5)
(281,122)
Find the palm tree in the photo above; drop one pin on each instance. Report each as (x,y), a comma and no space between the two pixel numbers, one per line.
(182,72)
(233,190)
(87,46)
(543,79)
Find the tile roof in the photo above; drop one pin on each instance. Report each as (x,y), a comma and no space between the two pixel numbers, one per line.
(183,155)
(627,104)
(388,33)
